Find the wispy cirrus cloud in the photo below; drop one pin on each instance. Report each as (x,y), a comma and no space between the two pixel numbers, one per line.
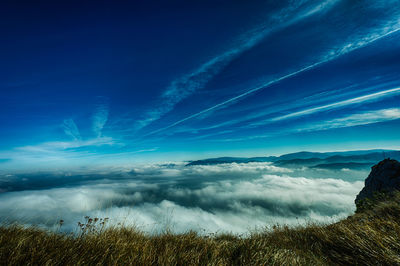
(70,129)
(183,87)
(100,117)
(351,120)
(356,42)
(80,147)
(267,109)
(357,100)
(56,153)
(63,145)
(364,118)
(377,96)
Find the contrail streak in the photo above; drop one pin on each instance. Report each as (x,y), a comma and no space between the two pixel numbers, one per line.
(188,84)
(338,104)
(274,81)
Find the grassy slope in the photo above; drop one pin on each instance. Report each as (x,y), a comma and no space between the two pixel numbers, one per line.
(369,237)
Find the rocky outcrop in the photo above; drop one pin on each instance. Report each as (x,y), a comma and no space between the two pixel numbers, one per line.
(384,177)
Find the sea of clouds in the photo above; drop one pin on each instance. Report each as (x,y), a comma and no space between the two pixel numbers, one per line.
(237,198)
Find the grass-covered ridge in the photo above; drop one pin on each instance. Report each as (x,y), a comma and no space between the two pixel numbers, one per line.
(369,237)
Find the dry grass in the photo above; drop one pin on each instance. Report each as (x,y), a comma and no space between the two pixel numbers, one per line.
(370,237)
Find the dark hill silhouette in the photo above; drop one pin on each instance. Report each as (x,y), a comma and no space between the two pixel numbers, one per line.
(384,177)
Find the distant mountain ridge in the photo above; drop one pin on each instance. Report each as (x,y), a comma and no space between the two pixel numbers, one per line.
(324,160)
(221,160)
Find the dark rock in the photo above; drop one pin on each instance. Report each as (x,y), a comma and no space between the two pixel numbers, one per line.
(384,177)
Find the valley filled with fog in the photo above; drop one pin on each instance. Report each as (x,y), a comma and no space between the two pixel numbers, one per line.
(228,197)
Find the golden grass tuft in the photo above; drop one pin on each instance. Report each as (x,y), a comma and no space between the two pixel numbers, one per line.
(370,237)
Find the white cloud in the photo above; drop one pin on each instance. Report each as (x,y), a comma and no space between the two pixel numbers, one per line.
(100,118)
(63,145)
(215,198)
(358,119)
(71,129)
(365,98)
(73,152)
(252,167)
(54,154)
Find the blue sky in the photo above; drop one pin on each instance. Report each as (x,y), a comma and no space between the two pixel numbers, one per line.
(101,82)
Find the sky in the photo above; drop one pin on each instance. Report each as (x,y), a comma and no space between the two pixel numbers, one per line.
(101,83)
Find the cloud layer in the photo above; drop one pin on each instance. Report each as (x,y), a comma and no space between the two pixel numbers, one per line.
(218,198)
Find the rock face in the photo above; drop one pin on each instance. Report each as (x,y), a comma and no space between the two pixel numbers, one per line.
(384,176)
